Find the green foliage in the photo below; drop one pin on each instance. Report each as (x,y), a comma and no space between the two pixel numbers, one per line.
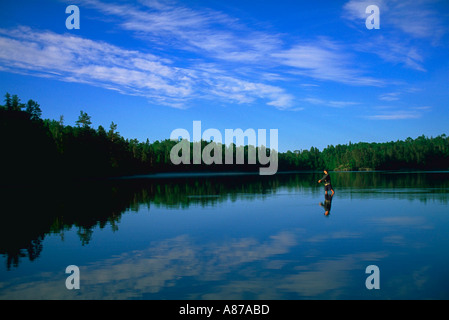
(8,102)
(32,147)
(33,108)
(83,120)
(421,153)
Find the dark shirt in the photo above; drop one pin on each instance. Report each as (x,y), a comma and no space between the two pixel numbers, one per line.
(326,178)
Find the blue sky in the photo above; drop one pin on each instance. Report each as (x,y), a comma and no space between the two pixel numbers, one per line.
(310,69)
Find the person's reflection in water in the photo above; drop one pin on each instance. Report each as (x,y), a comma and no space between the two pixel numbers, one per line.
(327,204)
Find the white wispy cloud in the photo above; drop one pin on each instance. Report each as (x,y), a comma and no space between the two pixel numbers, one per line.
(390,96)
(403,24)
(399,94)
(355,10)
(324,60)
(329,103)
(215,35)
(227,60)
(389,113)
(415,18)
(395,52)
(76,59)
(204,31)
(396,115)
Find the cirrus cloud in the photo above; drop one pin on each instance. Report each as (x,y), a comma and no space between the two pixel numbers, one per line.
(76,59)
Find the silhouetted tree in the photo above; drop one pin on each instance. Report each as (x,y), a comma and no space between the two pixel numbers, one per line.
(30,146)
(83,120)
(15,103)
(8,101)
(33,108)
(112,134)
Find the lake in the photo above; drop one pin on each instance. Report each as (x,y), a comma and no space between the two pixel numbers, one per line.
(229,236)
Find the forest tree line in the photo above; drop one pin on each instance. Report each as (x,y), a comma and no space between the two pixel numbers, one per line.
(36,147)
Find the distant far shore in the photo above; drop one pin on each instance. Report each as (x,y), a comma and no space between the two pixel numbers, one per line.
(167,175)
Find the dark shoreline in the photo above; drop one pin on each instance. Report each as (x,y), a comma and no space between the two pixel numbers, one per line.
(38,181)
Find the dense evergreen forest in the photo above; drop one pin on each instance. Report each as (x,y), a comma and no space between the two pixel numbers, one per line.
(33,147)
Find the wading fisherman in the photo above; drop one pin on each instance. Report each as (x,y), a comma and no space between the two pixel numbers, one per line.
(327,182)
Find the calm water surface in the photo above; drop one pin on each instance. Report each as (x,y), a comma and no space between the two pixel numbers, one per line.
(229,237)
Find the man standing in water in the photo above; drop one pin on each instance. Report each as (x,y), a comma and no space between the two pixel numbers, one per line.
(327,183)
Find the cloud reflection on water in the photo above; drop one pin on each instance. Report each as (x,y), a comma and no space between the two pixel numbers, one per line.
(232,269)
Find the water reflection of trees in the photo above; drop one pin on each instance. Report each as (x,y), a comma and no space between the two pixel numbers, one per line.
(182,192)
(391,180)
(29,214)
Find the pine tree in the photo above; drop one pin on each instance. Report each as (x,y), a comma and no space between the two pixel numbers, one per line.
(83,120)
(15,103)
(8,102)
(33,108)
